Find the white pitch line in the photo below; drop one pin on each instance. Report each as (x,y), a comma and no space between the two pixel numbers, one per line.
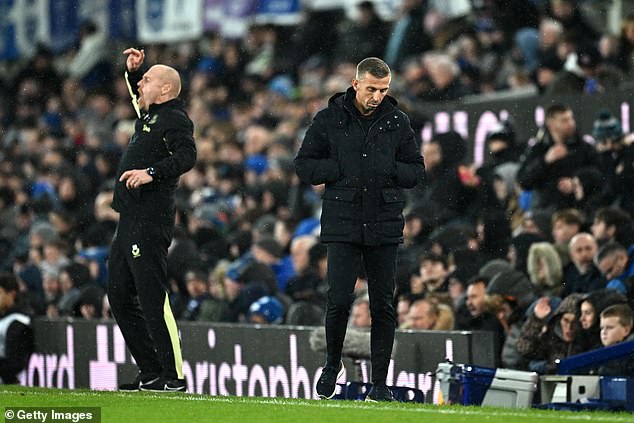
(467,411)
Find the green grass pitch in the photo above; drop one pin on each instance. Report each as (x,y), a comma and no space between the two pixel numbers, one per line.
(144,407)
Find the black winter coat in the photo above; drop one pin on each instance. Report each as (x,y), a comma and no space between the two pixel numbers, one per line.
(541,177)
(364,173)
(163,139)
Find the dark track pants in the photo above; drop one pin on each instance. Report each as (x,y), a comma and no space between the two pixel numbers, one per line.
(138,295)
(344,263)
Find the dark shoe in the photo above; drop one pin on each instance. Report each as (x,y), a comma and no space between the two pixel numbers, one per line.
(327,382)
(379,393)
(138,381)
(163,384)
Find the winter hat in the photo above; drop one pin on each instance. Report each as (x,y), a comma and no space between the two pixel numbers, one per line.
(493,267)
(507,173)
(453,146)
(268,307)
(588,57)
(512,284)
(503,131)
(606,127)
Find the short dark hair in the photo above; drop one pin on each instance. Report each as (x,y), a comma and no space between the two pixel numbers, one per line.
(608,249)
(374,66)
(556,109)
(9,282)
(437,258)
(613,216)
(478,279)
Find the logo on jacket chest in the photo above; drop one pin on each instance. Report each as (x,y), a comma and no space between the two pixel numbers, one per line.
(150,120)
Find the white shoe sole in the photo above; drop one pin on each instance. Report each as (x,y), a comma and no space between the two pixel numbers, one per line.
(339,374)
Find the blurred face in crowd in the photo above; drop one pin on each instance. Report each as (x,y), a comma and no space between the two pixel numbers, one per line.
(432,153)
(582,249)
(432,271)
(564,231)
(613,265)
(370,92)
(360,315)
(567,323)
(7,299)
(612,331)
(421,315)
(587,315)
(476,298)
(402,309)
(562,125)
(601,231)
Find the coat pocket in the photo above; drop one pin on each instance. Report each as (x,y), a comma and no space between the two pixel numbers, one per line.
(340,212)
(390,213)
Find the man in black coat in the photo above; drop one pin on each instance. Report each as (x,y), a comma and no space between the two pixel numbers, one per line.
(363,149)
(16,331)
(548,166)
(161,149)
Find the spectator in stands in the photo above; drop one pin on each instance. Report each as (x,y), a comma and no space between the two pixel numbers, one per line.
(52,295)
(478,316)
(626,45)
(502,150)
(581,275)
(408,36)
(90,64)
(569,13)
(584,72)
(565,224)
(89,303)
(616,326)
(545,269)
(73,277)
(590,308)
(445,82)
(16,332)
(433,275)
(616,264)
(266,310)
(422,314)
(616,158)
(360,313)
(198,293)
(305,276)
(613,224)
(445,195)
(403,303)
(509,295)
(366,36)
(548,336)
(548,166)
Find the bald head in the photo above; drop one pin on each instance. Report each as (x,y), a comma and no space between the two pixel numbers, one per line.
(582,249)
(170,76)
(159,84)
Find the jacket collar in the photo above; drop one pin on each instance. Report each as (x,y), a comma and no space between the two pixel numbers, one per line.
(342,98)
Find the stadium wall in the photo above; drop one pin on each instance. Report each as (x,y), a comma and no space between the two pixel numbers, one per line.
(240,360)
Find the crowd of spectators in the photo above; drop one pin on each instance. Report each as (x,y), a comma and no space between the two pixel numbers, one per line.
(515,246)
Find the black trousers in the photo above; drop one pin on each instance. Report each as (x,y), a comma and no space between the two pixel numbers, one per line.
(344,262)
(138,295)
